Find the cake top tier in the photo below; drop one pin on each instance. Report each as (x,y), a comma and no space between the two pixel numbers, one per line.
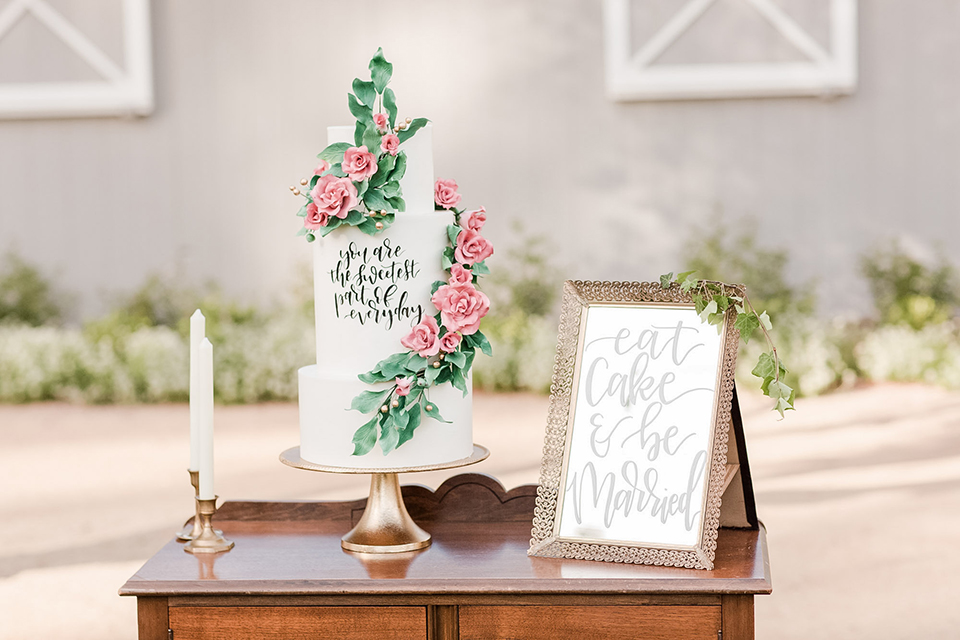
(417,181)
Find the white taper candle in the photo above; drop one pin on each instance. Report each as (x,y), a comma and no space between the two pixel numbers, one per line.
(206,419)
(197,333)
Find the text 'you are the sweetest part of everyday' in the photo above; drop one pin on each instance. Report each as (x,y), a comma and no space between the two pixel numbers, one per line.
(370,283)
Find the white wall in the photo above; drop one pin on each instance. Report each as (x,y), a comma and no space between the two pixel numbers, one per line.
(246,88)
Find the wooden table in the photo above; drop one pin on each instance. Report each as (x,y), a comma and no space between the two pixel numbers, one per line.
(288,578)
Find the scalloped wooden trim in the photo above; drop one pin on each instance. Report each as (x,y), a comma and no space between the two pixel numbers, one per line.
(577,295)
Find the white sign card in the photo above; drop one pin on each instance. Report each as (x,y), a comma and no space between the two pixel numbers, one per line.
(634,461)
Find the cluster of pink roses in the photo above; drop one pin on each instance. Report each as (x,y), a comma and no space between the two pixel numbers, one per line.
(335,197)
(460,303)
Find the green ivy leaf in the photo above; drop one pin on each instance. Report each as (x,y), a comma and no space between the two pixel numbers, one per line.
(682,277)
(390,104)
(366,92)
(723,302)
(711,308)
(746,323)
(415,125)
(334,152)
(369,401)
(699,302)
(688,284)
(665,280)
(767,366)
(365,437)
(765,321)
(380,71)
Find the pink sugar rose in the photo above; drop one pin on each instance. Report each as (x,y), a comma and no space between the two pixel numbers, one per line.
(315,218)
(450,342)
(390,143)
(474,220)
(472,247)
(423,338)
(358,163)
(403,386)
(334,196)
(380,120)
(459,275)
(445,193)
(461,307)
(323,166)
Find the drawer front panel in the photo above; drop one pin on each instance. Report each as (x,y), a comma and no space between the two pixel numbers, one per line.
(589,623)
(299,623)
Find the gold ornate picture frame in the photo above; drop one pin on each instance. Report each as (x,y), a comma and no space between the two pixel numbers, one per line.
(628,417)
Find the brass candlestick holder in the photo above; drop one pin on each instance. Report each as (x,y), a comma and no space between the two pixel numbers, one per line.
(385,526)
(210,540)
(191,531)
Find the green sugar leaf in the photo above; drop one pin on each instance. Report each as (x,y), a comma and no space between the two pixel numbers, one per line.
(431,373)
(369,227)
(390,104)
(389,435)
(397,203)
(365,91)
(446,258)
(480,268)
(457,359)
(334,152)
(380,71)
(302,232)
(375,201)
(365,437)
(384,169)
(399,168)
(415,363)
(358,133)
(665,280)
(412,422)
(746,323)
(452,232)
(415,125)
(436,285)
(434,412)
(337,170)
(392,190)
(481,341)
(371,139)
(353,218)
(303,211)
(369,401)
(459,381)
(362,113)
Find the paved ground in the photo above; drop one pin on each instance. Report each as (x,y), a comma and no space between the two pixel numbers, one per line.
(859,492)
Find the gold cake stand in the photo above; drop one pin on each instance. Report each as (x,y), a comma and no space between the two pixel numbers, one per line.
(385,526)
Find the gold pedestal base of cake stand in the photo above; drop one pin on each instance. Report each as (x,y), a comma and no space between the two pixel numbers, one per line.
(385,526)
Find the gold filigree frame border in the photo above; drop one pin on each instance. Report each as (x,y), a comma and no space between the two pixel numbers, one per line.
(544,540)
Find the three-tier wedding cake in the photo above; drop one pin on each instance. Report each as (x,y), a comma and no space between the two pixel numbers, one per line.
(397,310)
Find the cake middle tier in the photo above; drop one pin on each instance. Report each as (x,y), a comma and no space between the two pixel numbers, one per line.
(369,291)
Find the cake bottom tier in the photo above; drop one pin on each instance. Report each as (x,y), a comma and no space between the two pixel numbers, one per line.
(327,425)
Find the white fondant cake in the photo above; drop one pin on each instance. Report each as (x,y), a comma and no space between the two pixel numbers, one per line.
(369,292)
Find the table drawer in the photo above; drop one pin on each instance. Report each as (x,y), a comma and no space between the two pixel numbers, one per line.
(647,622)
(296,623)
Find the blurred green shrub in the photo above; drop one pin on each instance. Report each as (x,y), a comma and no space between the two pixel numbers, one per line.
(522,325)
(26,297)
(906,291)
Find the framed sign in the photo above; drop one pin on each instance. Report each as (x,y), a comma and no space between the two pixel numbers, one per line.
(635,451)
